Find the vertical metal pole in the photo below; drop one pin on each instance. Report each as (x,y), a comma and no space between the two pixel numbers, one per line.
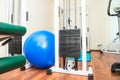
(56,29)
(119,25)
(69,14)
(19,11)
(83,6)
(75,13)
(63,14)
(8,16)
(8,11)
(13,12)
(66,13)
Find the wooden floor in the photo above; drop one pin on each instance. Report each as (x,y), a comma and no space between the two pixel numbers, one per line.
(101,65)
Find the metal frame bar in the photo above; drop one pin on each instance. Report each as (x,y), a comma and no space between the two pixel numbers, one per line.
(56,68)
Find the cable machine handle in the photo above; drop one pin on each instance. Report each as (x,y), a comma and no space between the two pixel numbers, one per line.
(108,9)
(7,41)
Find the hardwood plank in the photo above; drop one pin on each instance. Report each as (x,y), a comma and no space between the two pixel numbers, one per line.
(101,65)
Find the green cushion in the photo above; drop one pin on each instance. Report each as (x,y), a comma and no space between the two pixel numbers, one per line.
(12,62)
(10,29)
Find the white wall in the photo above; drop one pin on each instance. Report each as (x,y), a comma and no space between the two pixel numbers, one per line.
(103,28)
(97,22)
(3,10)
(3,18)
(41,15)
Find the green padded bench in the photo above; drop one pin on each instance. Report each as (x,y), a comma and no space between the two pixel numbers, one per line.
(10,29)
(6,32)
(12,62)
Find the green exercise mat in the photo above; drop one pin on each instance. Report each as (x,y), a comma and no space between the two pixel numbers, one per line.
(12,62)
(11,29)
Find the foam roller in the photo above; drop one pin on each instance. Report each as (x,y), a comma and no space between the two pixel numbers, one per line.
(12,62)
(11,29)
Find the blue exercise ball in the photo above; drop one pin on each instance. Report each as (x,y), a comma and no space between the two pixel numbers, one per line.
(39,49)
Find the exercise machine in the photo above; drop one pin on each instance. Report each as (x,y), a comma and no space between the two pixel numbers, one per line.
(69,37)
(112,47)
(115,66)
(7,33)
(56,68)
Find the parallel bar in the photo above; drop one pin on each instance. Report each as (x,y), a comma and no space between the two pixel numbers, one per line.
(83,7)
(56,30)
(78,72)
(119,26)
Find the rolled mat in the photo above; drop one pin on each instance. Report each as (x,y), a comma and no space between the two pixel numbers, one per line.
(12,62)
(11,29)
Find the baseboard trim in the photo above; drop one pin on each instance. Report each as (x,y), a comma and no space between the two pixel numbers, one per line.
(95,50)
